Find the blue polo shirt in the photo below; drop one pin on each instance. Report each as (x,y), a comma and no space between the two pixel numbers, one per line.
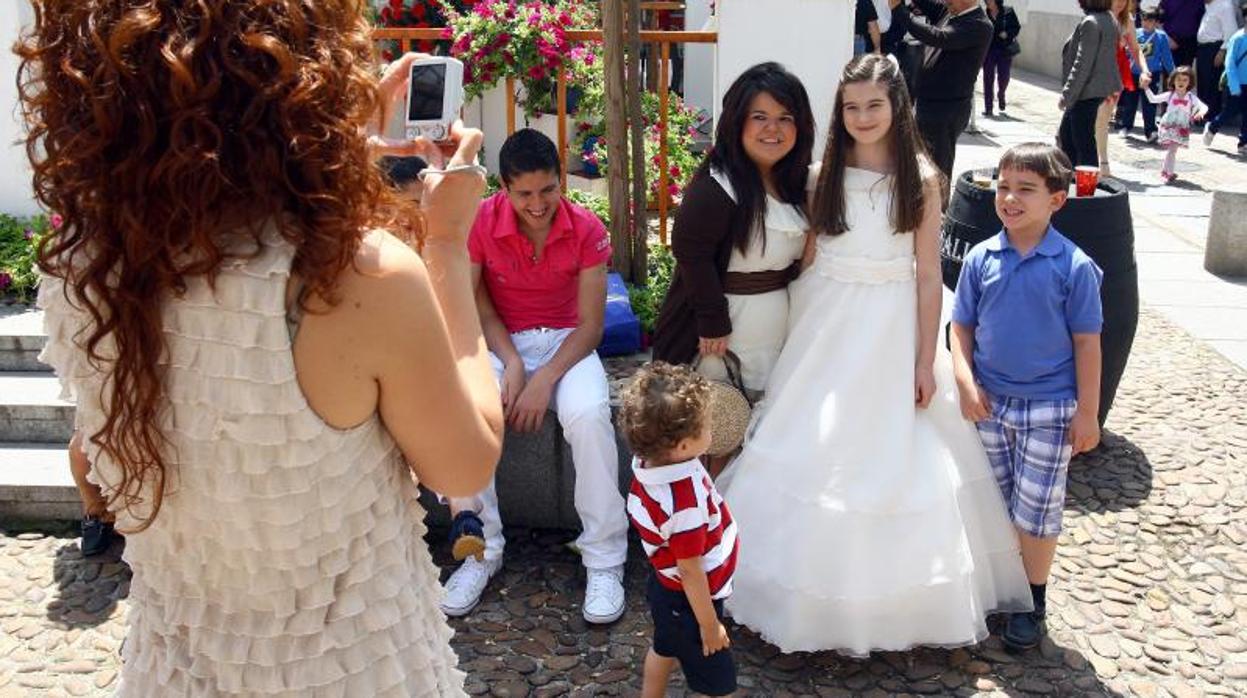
(1025,311)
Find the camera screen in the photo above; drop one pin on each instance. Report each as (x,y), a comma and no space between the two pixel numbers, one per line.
(427,85)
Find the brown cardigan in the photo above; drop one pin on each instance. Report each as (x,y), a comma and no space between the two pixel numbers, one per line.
(701,241)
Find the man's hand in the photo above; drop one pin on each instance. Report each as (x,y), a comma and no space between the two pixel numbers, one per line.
(712,346)
(894,3)
(1060,104)
(513,379)
(975,405)
(1145,79)
(714,638)
(1084,431)
(530,408)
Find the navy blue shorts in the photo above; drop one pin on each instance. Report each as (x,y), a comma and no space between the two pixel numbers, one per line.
(677,636)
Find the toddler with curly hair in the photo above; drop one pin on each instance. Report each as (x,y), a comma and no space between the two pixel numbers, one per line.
(685,527)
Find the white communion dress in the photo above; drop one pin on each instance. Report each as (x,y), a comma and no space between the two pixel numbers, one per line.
(865,522)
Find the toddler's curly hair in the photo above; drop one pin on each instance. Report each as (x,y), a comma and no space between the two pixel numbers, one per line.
(663,405)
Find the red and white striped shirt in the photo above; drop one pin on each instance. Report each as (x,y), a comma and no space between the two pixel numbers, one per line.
(679,514)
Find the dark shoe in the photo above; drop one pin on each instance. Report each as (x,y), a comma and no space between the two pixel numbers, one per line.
(467,536)
(97,536)
(1023,630)
(987,114)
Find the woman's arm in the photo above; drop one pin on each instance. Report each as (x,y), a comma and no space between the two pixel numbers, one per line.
(930,290)
(701,227)
(437,393)
(1087,38)
(1012,26)
(1133,49)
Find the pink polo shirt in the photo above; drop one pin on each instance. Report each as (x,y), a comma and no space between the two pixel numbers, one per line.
(530,294)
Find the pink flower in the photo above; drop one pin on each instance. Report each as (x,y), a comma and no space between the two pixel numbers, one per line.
(28,234)
(565,18)
(5,280)
(56,220)
(534,19)
(536,72)
(589,58)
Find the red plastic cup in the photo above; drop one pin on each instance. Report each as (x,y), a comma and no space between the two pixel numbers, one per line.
(1085,179)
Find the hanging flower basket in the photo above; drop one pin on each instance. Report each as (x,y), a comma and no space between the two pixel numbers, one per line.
(527,41)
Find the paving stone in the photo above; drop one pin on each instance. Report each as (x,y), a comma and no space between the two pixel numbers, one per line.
(1148,593)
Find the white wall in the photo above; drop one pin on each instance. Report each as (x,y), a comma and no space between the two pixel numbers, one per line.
(1046,24)
(15,192)
(811,38)
(699,59)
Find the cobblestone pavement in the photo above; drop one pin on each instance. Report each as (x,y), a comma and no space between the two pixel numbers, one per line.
(1149,595)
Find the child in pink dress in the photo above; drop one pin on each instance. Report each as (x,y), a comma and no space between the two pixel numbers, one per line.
(1182,109)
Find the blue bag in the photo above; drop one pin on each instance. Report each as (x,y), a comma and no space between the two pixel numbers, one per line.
(621,333)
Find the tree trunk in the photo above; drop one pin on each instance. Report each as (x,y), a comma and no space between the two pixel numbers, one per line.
(616,136)
(640,216)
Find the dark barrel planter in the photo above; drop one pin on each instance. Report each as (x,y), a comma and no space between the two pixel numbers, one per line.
(1101,225)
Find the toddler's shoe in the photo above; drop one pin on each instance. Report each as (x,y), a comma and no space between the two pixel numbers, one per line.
(1023,630)
(1209,134)
(97,536)
(465,586)
(604,595)
(467,536)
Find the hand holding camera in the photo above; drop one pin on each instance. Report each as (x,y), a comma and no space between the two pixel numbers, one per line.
(431,90)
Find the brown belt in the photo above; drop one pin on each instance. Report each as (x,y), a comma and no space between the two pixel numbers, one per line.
(740,283)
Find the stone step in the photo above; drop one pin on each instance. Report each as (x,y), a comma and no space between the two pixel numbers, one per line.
(21,338)
(35,483)
(31,409)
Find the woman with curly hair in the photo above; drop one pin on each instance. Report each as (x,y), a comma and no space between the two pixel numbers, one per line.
(262,373)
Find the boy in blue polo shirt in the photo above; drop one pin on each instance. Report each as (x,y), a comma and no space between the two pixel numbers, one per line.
(1026,355)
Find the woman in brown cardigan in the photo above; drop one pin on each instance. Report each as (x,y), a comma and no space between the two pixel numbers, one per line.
(740,231)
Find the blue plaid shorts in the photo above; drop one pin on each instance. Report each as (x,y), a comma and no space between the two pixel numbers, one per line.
(1028,444)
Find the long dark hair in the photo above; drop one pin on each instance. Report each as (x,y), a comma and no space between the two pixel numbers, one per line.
(827,214)
(728,154)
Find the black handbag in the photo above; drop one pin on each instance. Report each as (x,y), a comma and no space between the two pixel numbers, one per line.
(1013,48)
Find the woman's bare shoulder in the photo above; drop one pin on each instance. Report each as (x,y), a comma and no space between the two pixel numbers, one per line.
(387,287)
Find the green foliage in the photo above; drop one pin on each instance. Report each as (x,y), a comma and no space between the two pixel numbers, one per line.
(682,157)
(497,39)
(19,247)
(598,204)
(647,300)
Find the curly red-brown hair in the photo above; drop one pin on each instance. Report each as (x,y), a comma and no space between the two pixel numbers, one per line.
(157,126)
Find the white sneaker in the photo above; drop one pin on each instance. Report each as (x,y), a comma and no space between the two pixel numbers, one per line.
(1208,134)
(604,595)
(464,588)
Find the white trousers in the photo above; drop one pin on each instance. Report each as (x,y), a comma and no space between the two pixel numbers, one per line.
(582,402)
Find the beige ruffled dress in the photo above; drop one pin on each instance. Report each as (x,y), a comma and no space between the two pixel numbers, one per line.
(288,558)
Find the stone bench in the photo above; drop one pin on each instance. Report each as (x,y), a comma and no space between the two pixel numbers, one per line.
(1226,251)
(536,478)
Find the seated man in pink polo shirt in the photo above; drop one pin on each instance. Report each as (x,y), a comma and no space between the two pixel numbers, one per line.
(540,263)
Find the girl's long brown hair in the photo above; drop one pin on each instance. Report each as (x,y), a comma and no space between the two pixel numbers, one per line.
(827,211)
(157,126)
